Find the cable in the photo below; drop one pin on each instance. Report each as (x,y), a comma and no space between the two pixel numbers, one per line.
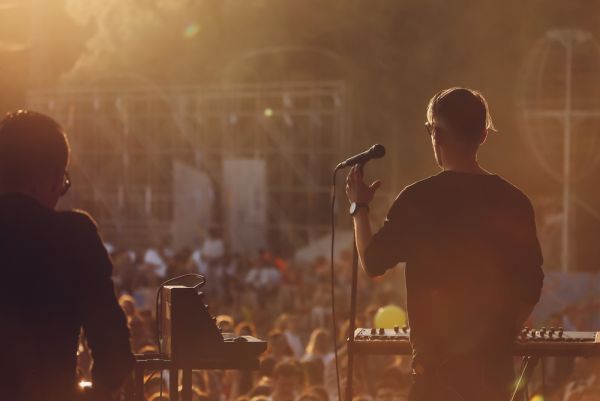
(521,379)
(333,315)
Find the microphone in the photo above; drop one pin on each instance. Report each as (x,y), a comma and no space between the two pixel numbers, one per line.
(376,151)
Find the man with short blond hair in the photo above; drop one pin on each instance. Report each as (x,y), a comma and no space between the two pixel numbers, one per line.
(473,261)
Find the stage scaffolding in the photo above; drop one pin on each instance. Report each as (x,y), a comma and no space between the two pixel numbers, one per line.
(126,140)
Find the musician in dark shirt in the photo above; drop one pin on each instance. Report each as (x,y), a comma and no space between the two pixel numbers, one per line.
(56,274)
(473,261)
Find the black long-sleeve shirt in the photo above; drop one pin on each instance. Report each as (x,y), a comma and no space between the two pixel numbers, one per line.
(55,279)
(472,260)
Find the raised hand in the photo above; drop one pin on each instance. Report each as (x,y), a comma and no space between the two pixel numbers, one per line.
(356,188)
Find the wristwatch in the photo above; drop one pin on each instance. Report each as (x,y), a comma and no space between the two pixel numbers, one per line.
(355,207)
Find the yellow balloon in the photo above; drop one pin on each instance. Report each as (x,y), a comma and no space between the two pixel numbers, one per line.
(389,316)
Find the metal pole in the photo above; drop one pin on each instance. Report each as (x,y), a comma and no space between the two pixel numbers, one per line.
(352,325)
(568,42)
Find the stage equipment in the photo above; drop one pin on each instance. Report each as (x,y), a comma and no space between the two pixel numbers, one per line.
(189,333)
(542,342)
(531,344)
(375,152)
(189,340)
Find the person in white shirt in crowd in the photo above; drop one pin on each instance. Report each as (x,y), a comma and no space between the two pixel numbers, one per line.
(212,254)
(199,262)
(264,279)
(213,248)
(157,259)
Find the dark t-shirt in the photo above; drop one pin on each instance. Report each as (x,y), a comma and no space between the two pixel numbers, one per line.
(56,279)
(472,259)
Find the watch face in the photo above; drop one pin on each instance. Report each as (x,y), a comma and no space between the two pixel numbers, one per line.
(353,207)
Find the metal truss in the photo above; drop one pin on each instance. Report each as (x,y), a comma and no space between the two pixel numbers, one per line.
(125,142)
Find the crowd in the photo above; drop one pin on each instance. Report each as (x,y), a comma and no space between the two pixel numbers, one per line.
(276,299)
(289,304)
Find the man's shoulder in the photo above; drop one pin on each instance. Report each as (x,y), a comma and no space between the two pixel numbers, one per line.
(77,217)
(80,233)
(77,224)
(411,197)
(423,183)
(514,191)
(418,187)
(425,188)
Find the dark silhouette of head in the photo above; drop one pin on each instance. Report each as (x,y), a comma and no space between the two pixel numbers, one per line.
(458,121)
(34,155)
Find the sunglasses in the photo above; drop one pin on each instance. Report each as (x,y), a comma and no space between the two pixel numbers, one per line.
(431,127)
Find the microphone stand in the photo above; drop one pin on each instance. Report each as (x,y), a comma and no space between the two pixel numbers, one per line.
(353,298)
(352,326)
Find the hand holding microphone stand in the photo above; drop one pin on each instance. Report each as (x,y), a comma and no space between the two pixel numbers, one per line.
(375,152)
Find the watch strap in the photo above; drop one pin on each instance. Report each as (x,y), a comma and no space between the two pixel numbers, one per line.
(357,207)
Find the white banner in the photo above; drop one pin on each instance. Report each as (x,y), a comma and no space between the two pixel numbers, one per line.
(245,203)
(194,197)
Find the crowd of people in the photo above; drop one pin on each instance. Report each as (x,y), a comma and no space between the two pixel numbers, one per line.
(276,299)
(288,304)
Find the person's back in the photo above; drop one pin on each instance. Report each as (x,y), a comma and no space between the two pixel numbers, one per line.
(56,280)
(473,261)
(471,239)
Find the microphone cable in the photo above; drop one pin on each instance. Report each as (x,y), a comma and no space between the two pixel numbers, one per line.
(332,268)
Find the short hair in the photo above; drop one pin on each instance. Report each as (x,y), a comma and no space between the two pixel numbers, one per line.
(287,368)
(463,110)
(32,147)
(225,319)
(245,327)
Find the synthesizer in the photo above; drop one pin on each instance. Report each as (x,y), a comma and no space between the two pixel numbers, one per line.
(530,342)
(189,334)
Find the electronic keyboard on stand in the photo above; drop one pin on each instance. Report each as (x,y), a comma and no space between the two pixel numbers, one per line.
(531,344)
(557,342)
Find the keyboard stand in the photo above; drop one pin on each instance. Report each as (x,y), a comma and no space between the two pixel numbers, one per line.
(528,365)
(146,363)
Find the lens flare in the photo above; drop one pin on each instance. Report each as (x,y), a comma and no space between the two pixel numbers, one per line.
(268,112)
(191,30)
